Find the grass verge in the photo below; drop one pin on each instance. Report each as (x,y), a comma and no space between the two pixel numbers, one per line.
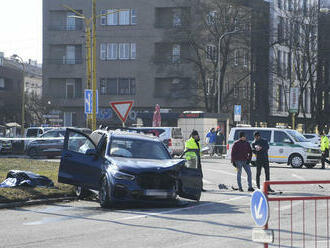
(48,169)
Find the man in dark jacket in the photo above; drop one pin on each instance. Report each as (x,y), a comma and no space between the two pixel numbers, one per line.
(240,156)
(260,147)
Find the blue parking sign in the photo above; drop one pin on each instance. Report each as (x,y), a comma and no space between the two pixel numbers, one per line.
(237,110)
(259,208)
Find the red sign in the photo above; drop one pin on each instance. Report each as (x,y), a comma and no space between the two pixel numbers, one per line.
(122,109)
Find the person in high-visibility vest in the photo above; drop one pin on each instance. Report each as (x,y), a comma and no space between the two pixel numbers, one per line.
(324,149)
(193,157)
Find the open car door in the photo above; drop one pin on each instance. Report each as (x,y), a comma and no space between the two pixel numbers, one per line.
(190,176)
(80,164)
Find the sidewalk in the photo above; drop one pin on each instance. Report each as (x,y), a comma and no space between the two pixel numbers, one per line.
(35,202)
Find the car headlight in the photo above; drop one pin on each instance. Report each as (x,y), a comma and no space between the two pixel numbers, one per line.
(123,176)
(308,150)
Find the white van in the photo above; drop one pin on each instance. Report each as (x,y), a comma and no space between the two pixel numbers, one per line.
(285,146)
(171,136)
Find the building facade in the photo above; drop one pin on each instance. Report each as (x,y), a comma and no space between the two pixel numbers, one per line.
(133,60)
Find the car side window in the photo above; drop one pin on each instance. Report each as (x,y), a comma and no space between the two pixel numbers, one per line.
(265,134)
(79,143)
(281,137)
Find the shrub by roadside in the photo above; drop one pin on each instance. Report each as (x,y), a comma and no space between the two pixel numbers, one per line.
(48,169)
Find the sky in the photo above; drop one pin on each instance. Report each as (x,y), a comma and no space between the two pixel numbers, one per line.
(21,28)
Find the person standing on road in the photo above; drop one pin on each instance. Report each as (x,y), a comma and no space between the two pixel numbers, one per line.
(260,147)
(219,142)
(324,149)
(210,140)
(193,158)
(241,154)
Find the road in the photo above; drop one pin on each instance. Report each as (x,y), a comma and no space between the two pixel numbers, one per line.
(221,219)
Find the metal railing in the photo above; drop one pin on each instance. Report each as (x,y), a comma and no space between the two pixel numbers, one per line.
(312,225)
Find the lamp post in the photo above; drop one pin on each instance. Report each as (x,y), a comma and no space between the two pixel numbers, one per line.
(20,60)
(219,65)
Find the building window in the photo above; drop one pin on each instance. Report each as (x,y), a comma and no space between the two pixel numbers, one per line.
(211,17)
(116,17)
(133,16)
(279,63)
(103,17)
(279,4)
(133,51)
(70,56)
(103,51)
(236,58)
(114,51)
(68,119)
(177,13)
(112,19)
(211,52)
(70,21)
(176,51)
(124,50)
(124,17)
(2,83)
(279,98)
(118,86)
(246,59)
(70,89)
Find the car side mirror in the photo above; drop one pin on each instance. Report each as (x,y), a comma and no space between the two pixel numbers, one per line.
(91,152)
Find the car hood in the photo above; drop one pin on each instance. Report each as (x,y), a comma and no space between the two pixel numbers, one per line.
(146,165)
(309,145)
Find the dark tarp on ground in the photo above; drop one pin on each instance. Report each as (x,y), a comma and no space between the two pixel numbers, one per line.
(25,178)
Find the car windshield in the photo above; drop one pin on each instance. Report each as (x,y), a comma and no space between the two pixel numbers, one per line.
(137,148)
(298,137)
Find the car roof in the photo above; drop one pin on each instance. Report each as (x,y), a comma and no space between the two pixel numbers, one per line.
(126,134)
(261,128)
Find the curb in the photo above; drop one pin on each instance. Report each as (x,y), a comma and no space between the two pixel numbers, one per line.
(35,202)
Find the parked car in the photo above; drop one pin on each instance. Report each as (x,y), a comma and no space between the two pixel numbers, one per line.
(285,146)
(313,138)
(125,167)
(5,146)
(49,144)
(171,136)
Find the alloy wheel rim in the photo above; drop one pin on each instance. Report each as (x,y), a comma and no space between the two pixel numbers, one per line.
(296,161)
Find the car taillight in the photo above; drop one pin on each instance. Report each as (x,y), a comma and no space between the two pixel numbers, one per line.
(227,147)
(169,142)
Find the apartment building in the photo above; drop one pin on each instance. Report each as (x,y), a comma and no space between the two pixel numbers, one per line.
(292,57)
(134,62)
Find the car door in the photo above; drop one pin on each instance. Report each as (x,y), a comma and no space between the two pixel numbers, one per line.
(190,178)
(80,164)
(282,147)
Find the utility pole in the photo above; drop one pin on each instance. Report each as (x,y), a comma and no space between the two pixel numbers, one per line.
(94,65)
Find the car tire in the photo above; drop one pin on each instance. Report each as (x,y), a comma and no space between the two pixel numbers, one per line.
(310,166)
(33,153)
(296,161)
(81,192)
(105,193)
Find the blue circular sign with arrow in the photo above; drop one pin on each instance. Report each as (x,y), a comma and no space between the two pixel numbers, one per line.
(259,208)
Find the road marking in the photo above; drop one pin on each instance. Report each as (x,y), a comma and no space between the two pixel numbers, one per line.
(180,209)
(229,173)
(257,211)
(299,177)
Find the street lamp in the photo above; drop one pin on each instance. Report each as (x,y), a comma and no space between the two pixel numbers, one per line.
(20,60)
(219,65)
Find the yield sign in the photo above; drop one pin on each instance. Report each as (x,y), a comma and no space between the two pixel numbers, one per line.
(122,109)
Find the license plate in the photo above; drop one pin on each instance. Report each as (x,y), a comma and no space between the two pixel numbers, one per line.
(155,192)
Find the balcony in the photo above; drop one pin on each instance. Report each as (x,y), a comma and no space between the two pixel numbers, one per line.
(76,27)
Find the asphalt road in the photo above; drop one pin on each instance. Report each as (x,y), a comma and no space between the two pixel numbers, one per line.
(221,219)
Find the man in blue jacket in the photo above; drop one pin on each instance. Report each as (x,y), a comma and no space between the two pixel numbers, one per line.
(260,148)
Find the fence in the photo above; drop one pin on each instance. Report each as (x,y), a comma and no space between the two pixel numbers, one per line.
(307,227)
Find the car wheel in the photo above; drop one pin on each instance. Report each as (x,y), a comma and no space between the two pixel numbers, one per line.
(82,192)
(310,166)
(104,193)
(33,153)
(296,161)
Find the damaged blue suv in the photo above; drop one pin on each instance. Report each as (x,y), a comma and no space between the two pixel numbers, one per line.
(122,166)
